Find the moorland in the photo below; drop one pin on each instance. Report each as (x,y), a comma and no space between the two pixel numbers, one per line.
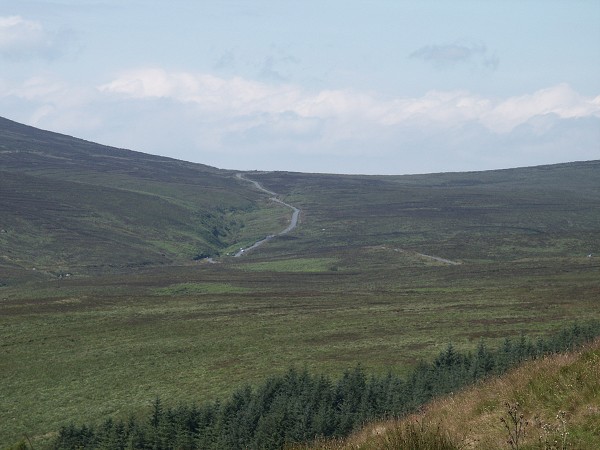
(118,284)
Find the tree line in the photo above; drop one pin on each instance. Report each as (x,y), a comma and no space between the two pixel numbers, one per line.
(299,406)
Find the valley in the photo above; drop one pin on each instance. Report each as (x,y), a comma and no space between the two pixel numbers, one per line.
(366,278)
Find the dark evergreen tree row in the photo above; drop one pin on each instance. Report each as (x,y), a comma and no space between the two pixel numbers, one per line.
(299,406)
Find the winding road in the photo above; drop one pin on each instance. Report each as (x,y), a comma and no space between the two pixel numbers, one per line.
(293,222)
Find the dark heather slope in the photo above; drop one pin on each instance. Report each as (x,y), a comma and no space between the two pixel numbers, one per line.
(69,205)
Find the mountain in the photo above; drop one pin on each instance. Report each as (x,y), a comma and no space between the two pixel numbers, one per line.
(69,205)
(494,216)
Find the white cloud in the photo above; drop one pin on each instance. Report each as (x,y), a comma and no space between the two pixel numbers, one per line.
(561,100)
(208,91)
(245,124)
(236,97)
(47,102)
(21,38)
(16,31)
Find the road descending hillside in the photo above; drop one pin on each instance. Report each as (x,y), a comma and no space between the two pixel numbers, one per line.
(72,206)
(290,227)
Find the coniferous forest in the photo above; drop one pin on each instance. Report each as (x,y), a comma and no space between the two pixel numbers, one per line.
(299,406)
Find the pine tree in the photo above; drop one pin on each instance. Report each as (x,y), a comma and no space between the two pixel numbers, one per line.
(482,363)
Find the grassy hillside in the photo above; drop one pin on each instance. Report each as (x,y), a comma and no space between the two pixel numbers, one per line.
(479,217)
(72,206)
(384,271)
(553,402)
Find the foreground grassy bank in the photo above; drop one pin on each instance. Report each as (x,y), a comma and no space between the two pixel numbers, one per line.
(553,401)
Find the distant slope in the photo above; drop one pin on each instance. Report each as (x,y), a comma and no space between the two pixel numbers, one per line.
(72,205)
(500,215)
(68,205)
(558,397)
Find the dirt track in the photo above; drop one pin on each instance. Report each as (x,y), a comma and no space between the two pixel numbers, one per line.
(293,222)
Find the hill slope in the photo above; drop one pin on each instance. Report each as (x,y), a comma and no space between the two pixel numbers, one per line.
(557,396)
(69,205)
(501,215)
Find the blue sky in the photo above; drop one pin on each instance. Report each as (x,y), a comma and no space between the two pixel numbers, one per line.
(379,87)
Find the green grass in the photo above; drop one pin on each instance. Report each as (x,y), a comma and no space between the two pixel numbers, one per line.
(269,219)
(106,346)
(294,265)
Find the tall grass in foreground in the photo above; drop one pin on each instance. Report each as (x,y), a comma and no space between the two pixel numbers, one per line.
(402,435)
(554,400)
(564,386)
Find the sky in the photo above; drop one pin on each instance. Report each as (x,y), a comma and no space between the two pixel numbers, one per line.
(335,86)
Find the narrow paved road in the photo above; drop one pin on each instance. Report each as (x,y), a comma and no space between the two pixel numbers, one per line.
(293,223)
